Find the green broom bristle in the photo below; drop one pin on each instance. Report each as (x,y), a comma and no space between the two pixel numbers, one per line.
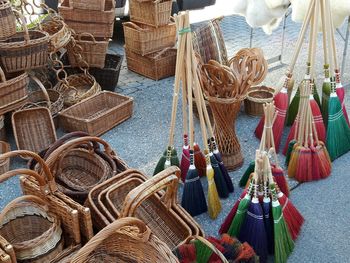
(284,244)
(326,91)
(316,95)
(174,160)
(203,252)
(289,151)
(246,175)
(293,107)
(241,213)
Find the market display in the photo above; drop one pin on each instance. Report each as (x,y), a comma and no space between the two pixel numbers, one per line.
(82,202)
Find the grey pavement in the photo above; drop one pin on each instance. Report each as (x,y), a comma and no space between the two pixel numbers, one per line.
(141,140)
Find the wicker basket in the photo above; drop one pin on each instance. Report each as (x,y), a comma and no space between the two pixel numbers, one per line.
(88,4)
(24,50)
(126,240)
(97,23)
(33,129)
(156,66)
(93,50)
(144,40)
(97,114)
(154,13)
(8,249)
(2,128)
(7,20)
(157,215)
(4,257)
(31,228)
(5,164)
(12,91)
(257,97)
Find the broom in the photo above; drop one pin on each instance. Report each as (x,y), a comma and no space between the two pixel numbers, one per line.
(170,155)
(193,198)
(281,99)
(212,170)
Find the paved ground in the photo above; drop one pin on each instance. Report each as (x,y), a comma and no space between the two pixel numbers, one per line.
(141,140)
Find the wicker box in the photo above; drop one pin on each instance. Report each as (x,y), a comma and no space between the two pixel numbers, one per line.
(153,13)
(143,39)
(88,4)
(97,23)
(156,66)
(97,114)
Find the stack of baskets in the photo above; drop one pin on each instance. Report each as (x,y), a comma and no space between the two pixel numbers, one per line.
(150,39)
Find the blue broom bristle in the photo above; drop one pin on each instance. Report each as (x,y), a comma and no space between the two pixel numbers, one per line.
(268,220)
(193,198)
(218,178)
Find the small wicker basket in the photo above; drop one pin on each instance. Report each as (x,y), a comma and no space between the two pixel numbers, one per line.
(7,20)
(256,98)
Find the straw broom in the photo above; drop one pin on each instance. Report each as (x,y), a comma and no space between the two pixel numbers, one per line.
(193,198)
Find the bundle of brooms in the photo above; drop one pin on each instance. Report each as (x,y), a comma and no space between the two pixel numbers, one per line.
(264,217)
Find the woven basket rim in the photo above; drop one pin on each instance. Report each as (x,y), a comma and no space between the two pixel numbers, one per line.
(41,39)
(12,81)
(264,89)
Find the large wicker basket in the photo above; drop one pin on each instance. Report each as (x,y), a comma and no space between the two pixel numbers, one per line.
(12,91)
(93,50)
(97,114)
(126,240)
(24,50)
(154,13)
(88,4)
(156,66)
(7,20)
(4,164)
(256,98)
(2,128)
(143,39)
(97,23)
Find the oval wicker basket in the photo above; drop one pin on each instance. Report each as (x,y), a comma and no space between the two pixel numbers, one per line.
(7,20)
(4,164)
(34,232)
(256,98)
(24,50)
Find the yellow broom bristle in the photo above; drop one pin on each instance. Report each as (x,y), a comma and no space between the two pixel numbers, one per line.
(214,204)
(249,180)
(293,163)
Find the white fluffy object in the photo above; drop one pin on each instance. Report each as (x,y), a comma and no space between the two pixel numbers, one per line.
(340,10)
(262,13)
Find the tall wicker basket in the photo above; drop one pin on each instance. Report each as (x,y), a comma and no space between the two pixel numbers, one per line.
(7,20)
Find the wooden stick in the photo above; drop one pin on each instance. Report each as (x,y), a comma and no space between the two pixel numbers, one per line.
(184,102)
(314,39)
(334,47)
(329,33)
(324,32)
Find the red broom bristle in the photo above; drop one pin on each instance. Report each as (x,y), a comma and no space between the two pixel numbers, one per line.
(187,253)
(199,160)
(280,179)
(341,95)
(228,220)
(214,257)
(291,134)
(291,215)
(316,171)
(324,160)
(260,128)
(185,159)
(317,115)
(246,253)
(304,166)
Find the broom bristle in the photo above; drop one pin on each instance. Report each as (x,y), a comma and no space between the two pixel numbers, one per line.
(292,216)
(289,151)
(284,244)
(281,103)
(324,160)
(294,106)
(193,198)
(199,160)
(268,219)
(214,205)
(186,253)
(203,252)
(260,128)
(185,158)
(338,131)
(291,136)
(253,229)
(317,115)
(326,91)
(341,94)
(247,173)
(293,163)
(316,171)
(304,166)
(174,160)
(219,179)
(228,220)
(280,179)
(214,257)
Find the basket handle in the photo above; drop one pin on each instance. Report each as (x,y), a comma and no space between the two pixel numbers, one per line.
(143,235)
(41,180)
(2,76)
(162,52)
(139,194)
(24,25)
(47,173)
(134,26)
(208,244)
(86,34)
(26,198)
(43,90)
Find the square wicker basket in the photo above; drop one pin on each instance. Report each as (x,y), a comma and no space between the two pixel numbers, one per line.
(97,114)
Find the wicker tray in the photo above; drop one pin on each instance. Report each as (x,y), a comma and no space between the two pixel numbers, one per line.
(143,39)
(154,13)
(97,23)
(33,129)
(156,66)
(97,114)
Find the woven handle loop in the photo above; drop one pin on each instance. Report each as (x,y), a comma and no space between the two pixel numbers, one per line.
(143,235)
(24,25)
(42,204)
(87,34)
(2,76)
(41,180)
(166,179)
(134,26)
(46,171)
(43,90)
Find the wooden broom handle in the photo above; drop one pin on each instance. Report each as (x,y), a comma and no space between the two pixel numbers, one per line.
(314,39)
(324,31)
(184,102)
(334,47)
(302,35)
(329,38)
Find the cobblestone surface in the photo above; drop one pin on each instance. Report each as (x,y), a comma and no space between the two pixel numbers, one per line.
(141,140)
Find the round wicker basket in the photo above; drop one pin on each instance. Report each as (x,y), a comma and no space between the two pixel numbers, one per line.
(257,97)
